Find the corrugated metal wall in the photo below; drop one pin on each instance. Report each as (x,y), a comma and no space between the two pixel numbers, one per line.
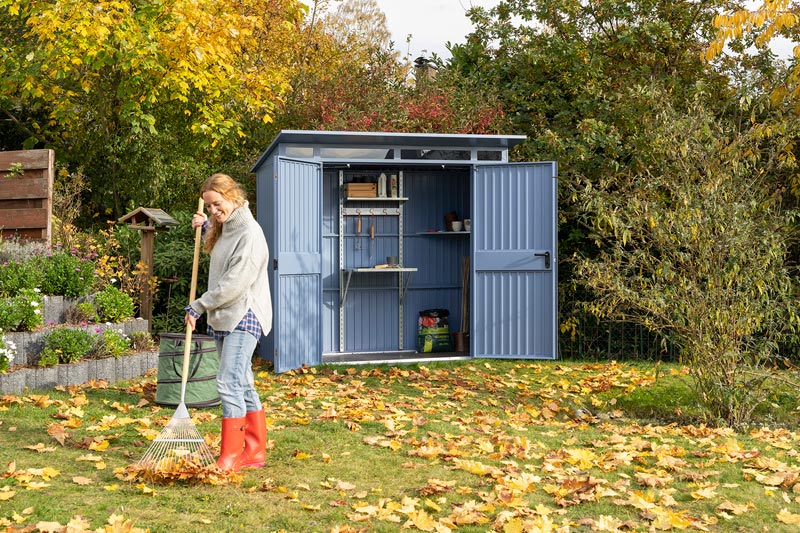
(515,285)
(298,250)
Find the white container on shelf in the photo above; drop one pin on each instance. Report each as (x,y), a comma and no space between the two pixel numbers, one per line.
(382,185)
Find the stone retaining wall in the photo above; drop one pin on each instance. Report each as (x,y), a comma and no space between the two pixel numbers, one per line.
(19,379)
(25,375)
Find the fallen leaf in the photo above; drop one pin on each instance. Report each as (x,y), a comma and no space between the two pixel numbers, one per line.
(41,448)
(49,527)
(58,432)
(80,480)
(789,518)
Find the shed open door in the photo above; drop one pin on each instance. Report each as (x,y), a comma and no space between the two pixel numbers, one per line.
(298,261)
(514,272)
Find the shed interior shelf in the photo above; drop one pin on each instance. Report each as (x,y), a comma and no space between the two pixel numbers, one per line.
(405,271)
(432,233)
(376,199)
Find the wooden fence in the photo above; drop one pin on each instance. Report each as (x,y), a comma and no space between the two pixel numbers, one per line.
(26,194)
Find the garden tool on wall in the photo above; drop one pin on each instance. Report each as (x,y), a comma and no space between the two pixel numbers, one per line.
(358,232)
(180,445)
(371,235)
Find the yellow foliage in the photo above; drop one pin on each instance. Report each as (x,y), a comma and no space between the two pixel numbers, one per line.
(771,18)
(222,61)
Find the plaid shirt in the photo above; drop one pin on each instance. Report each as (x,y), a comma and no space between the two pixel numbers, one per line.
(248,324)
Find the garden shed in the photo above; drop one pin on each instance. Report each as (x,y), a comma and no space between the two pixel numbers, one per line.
(367,230)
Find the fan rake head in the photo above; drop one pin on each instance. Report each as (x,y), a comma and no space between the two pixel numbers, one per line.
(178,446)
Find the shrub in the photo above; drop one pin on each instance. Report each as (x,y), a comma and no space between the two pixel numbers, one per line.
(15,250)
(7,352)
(142,341)
(80,313)
(22,312)
(110,343)
(113,305)
(10,314)
(692,244)
(65,345)
(68,275)
(17,274)
(30,300)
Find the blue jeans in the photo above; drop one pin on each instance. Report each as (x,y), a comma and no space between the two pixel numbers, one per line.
(235,382)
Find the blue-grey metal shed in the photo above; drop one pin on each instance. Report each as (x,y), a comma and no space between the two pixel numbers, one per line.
(330,302)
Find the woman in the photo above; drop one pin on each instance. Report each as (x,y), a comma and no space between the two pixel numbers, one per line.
(239,311)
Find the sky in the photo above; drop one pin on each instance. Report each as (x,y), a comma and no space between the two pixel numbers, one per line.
(431,23)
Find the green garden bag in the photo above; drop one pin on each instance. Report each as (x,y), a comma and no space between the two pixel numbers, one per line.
(201,385)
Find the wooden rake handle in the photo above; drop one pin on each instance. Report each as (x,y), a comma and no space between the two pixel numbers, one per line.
(187,346)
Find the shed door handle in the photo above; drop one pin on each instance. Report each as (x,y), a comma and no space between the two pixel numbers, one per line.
(546,256)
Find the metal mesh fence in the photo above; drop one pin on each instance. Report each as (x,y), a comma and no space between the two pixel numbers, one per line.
(584,336)
(590,338)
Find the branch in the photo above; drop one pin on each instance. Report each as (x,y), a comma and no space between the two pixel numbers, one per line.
(22,126)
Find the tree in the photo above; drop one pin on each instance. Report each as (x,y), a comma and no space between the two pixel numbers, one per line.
(357,83)
(360,21)
(578,77)
(771,19)
(693,245)
(109,83)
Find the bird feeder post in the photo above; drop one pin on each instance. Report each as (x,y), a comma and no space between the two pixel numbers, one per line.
(148,221)
(146,304)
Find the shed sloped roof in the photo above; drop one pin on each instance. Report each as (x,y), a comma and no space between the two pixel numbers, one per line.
(390,139)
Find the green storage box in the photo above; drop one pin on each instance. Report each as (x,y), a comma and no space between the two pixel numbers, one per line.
(201,385)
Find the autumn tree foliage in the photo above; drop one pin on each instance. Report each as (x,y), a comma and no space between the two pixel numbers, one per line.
(351,79)
(772,19)
(108,83)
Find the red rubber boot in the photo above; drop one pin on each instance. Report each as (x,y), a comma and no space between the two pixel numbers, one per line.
(255,440)
(232,452)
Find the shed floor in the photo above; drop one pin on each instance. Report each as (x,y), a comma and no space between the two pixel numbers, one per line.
(392,357)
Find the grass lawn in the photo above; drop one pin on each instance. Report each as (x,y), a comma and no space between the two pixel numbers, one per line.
(469,446)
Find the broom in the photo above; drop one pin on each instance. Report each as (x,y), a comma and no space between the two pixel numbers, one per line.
(179,443)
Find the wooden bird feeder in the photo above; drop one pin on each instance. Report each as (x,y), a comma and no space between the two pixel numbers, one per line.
(148,220)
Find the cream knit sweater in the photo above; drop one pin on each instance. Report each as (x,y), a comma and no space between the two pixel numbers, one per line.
(238,276)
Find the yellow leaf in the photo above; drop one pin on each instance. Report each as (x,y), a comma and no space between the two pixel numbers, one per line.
(49,527)
(41,448)
(514,525)
(422,521)
(667,520)
(705,493)
(789,518)
(734,508)
(111,487)
(6,494)
(344,485)
(145,489)
(98,446)
(431,505)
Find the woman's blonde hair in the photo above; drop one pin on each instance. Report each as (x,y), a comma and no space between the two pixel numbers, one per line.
(229,189)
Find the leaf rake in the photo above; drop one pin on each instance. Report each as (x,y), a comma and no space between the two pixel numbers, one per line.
(180,445)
